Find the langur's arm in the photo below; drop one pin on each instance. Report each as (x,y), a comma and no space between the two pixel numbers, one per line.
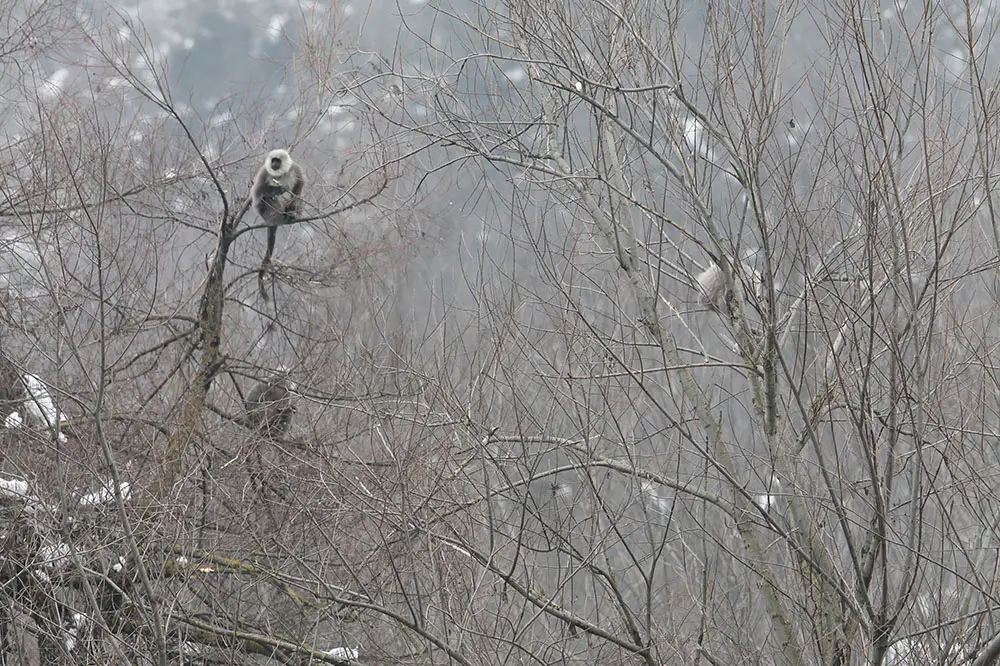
(298,183)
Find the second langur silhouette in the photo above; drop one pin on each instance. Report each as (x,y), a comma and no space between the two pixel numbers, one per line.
(269,410)
(269,405)
(275,195)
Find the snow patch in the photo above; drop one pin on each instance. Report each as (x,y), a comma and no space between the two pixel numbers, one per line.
(106,495)
(39,407)
(347,654)
(13,420)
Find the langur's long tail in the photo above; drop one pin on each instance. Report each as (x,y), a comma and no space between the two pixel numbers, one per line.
(265,264)
(261,272)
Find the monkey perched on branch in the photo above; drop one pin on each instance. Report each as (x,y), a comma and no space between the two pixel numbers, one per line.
(269,406)
(712,285)
(269,409)
(275,194)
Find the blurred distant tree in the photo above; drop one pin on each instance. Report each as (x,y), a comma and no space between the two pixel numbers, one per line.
(732,398)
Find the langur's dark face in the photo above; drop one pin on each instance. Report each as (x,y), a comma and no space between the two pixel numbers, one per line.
(275,163)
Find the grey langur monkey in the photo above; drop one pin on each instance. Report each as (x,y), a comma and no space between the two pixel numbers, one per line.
(269,410)
(712,284)
(269,407)
(712,287)
(275,194)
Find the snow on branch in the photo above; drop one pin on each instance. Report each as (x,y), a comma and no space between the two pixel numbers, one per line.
(105,495)
(73,627)
(15,491)
(344,654)
(39,407)
(18,492)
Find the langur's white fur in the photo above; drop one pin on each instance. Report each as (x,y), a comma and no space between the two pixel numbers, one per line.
(283,168)
(712,284)
(713,287)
